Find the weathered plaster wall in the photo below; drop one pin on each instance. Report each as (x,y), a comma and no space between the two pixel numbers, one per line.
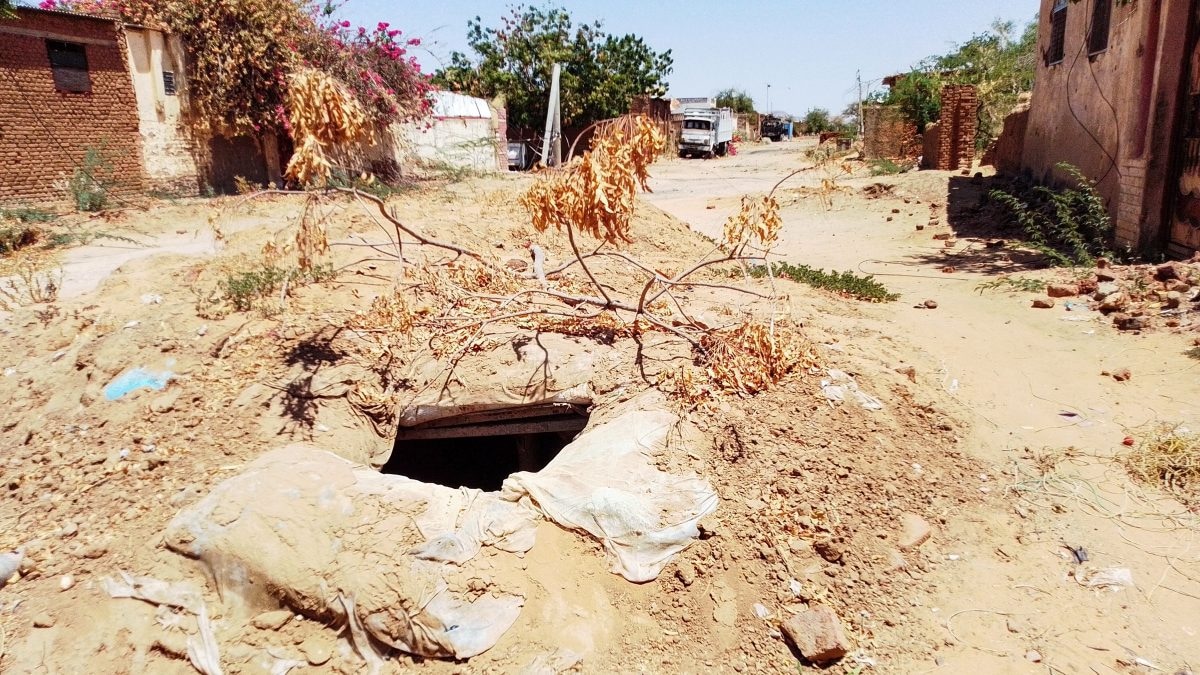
(168,147)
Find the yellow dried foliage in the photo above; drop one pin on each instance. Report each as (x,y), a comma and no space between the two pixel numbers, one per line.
(605,327)
(389,312)
(758,219)
(475,278)
(324,115)
(1169,457)
(752,356)
(595,193)
(310,241)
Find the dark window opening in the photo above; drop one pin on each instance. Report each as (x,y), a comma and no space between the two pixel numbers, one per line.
(481,454)
(168,83)
(1101,20)
(1058,33)
(69,66)
(697,124)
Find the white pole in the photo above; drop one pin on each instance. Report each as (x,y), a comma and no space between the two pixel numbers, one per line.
(862,124)
(553,123)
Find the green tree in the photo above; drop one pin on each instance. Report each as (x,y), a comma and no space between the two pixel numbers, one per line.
(818,120)
(735,99)
(999,63)
(601,73)
(918,93)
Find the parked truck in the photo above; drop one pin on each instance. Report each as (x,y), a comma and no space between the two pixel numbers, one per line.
(775,128)
(706,132)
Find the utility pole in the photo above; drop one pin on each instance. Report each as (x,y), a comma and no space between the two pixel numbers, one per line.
(768,110)
(553,123)
(862,123)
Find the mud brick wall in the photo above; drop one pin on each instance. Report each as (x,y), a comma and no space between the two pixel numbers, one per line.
(45,133)
(888,134)
(957,127)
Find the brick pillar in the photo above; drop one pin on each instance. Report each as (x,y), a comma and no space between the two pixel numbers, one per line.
(957,128)
(1130,205)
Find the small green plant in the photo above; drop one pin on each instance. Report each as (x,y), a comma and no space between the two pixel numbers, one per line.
(1013,284)
(440,169)
(887,167)
(245,289)
(369,185)
(61,239)
(92,181)
(27,214)
(843,283)
(1071,226)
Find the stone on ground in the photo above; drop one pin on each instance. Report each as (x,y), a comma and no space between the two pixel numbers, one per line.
(817,634)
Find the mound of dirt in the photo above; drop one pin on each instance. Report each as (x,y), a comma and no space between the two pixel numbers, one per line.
(814,495)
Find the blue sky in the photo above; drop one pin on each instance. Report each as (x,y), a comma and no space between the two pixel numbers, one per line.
(807,50)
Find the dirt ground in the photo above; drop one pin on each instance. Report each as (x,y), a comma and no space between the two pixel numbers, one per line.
(997,428)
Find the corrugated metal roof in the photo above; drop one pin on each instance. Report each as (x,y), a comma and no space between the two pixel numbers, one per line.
(64,12)
(450,104)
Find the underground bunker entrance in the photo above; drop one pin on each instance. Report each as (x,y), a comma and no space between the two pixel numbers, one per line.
(480,450)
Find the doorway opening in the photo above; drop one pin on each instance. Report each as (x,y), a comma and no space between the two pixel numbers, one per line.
(480,450)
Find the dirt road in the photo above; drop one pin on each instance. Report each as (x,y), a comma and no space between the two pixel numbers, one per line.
(1030,381)
(1004,438)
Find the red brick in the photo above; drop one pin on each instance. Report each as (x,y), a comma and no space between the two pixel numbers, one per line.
(44,133)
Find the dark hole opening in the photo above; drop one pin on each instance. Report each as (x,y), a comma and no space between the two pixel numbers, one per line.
(481,454)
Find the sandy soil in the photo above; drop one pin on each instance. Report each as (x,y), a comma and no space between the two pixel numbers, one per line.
(1013,371)
(975,442)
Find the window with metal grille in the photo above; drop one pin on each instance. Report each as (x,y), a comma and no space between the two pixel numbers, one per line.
(1058,33)
(168,83)
(69,66)
(1101,19)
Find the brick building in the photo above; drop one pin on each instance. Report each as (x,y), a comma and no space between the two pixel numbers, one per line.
(64,87)
(1117,94)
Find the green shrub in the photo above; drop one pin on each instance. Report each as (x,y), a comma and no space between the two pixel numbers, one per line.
(1071,226)
(246,288)
(27,214)
(886,167)
(95,176)
(368,185)
(843,283)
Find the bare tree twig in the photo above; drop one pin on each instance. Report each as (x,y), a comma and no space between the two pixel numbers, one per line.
(401,227)
(586,270)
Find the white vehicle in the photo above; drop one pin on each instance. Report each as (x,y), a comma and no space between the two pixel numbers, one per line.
(706,132)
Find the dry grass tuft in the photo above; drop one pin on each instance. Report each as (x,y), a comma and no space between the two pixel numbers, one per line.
(1169,458)
(744,360)
(752,356)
